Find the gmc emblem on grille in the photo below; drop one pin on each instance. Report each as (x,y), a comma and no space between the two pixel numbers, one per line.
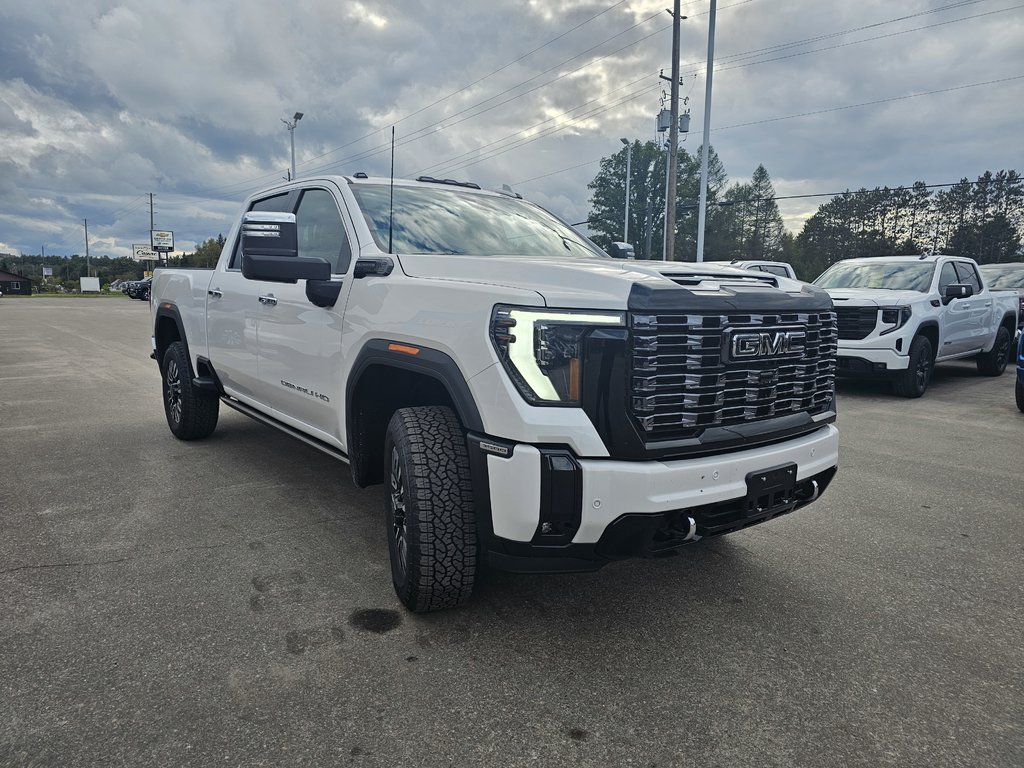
(772,342)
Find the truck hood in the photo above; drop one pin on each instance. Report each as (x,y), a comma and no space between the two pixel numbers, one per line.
(594,283)
(873,297)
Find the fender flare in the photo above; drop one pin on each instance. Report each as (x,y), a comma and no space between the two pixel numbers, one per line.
(429,362)
(426,362)
(170,311)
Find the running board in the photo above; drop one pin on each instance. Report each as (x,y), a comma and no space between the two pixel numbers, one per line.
(270,421)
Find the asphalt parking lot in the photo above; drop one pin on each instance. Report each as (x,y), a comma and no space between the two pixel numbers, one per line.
(229,602)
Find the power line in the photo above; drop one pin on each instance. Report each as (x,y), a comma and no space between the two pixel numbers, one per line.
(805,114)
(869,103)
(865,191)
(763,61)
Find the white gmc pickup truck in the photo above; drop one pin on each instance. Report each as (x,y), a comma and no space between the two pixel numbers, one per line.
(528,402)
(899,315)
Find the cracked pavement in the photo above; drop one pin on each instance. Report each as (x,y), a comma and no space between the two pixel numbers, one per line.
(229,601)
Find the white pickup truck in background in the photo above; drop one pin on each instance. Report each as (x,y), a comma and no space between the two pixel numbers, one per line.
(899,315)
(528,402)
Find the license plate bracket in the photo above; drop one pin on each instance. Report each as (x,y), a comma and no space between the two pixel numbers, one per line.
(770,491)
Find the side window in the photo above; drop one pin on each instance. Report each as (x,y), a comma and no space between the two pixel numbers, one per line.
(321,231)
(968,274)
(780,271)
(282,203)
(947,277)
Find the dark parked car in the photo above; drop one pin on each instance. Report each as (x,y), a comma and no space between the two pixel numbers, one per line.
(139,289)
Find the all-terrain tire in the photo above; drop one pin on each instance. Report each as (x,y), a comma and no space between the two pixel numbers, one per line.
(429,511)
(993,362)
(914,381)
(191,412)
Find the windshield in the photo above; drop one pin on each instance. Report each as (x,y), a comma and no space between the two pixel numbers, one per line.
(887,275)
(449,221)
(1004,278)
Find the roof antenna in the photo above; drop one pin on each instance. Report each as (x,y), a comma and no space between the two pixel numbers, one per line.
(391,206)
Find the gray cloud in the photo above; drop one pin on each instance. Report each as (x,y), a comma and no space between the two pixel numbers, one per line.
(104,101)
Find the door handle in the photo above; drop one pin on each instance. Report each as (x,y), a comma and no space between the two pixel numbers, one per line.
(215,292)
(268,299)
(988,303)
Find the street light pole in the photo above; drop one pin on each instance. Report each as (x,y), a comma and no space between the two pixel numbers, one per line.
(707,136)
(629,161)
(291,130)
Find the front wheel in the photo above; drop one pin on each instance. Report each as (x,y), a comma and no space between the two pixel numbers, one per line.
(914,381)
(191,412)
(1019,393)
(993,362)
(431,523)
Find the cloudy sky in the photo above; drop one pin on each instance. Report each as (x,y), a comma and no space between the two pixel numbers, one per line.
(103,102)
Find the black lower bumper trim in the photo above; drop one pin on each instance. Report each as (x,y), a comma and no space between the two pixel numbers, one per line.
(647,535)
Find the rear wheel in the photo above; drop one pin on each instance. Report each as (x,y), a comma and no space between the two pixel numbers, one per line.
(914,381)
(993,362)
(1019,392)
(191,412)
(431,525)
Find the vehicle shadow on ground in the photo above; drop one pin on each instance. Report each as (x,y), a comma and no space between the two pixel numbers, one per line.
(944,377)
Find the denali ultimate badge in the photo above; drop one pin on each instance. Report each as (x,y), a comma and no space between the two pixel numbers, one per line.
(769,342)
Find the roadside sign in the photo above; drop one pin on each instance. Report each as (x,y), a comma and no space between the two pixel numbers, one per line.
(144,253)
(47,271)
(162,240)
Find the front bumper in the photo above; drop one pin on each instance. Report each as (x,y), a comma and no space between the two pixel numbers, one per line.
(543,509)
(863,361)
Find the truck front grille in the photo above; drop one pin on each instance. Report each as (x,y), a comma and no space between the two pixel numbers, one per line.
(856,322)
(684,381)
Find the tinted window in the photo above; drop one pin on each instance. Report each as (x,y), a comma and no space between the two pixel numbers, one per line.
(282,203)
(321,232)
(968,274)
(781,271)
(947,277)
(450,221)
(889,275)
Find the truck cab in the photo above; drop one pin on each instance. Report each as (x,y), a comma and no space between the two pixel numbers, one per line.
(900,315)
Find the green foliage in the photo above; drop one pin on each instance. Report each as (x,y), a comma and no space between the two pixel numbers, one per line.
(647,188)
(205,256)
(983,220)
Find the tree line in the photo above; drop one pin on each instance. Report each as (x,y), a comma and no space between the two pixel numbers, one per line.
(983,219)
(67,270)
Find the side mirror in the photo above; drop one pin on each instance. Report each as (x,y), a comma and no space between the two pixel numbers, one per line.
(958,291)
(270,250)
(622,251)
(269,233)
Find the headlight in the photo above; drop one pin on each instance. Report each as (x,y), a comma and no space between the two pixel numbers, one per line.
(896,317)
(541,349)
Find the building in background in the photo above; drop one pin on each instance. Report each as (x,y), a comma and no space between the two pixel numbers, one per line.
(11,283)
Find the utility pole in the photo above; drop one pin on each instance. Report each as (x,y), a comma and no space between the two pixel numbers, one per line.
(151,225)
(291,130)
(707,136)
(88,272)
(673,141)
(647,229)
(629,162)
